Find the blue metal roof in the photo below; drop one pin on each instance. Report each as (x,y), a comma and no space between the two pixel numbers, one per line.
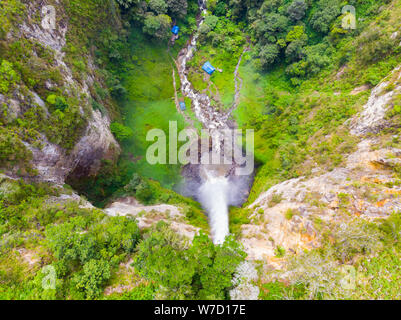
(208,68)
(175,30)
(182,106)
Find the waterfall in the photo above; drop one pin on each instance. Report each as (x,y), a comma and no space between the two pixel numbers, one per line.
(217,190)
(214,196)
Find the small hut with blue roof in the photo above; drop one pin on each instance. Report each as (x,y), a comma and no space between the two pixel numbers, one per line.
(208,68)
(175,30)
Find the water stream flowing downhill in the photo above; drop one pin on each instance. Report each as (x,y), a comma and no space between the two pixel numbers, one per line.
(214,186)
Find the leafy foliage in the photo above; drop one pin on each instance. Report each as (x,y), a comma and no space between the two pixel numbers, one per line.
(201,271)
(158,26)
(59,103)
(324,15)
(94,274)
(8,77)
(121,132)
(296,10)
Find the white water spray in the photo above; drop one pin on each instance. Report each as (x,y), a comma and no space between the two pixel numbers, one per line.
(214,196)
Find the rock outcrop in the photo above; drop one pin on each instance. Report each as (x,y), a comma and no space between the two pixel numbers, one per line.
(372,118)
(150,215)
(53,162)
(289,215)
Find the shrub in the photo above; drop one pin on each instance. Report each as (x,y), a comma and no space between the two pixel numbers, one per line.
(324,15)
(211,21)
(8,77)
(94,275)
(243,280)
(279,252)
(275,199)
(216,266)
(12,149)
(121,132)
(290,213)
(10,12)
(295,50)
(158,6)
(119,235)
(177,8)
(161,257)
(59,103)
(268,55)
(140,292)
(144,192)
(133,183)
(392,227)
(70,242)
(201,271)
(157,26)
(296,10)
(355,238)
(374,46)
(318,274)
(84,238)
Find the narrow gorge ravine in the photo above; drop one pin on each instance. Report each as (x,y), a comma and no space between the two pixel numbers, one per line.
(215,186)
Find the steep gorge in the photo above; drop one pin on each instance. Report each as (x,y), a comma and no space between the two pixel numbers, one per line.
(344,163)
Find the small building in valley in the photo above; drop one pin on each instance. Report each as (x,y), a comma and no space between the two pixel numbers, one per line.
(208,68)
(183,107)
(175,30)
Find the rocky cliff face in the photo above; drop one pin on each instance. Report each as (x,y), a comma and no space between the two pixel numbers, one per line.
(151,215)
(55,164)
(292,214)
(52,161)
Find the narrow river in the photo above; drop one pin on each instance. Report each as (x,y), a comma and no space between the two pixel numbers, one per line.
(214,186)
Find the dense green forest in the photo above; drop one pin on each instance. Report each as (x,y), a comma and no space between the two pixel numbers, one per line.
(300,70)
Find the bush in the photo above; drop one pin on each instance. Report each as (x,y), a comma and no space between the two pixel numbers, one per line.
(119,235)
(318,274)
(121,132)
(374,46)
(279,252)
(94,275)
(8,77)
(13,151)
(133,183)
(144,192)
(71,244)
(392,228)
(177,8)
(296,10)
(10,12)
(126,3)
(84,238)
(295,50)
(211,21)
(158,6)
(355,238)
(140,292)
(59,103)
(324,15)
(157,26)
(201,271)
(268,55)
(161,257)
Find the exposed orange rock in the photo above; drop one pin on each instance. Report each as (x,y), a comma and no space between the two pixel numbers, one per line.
(381,203)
